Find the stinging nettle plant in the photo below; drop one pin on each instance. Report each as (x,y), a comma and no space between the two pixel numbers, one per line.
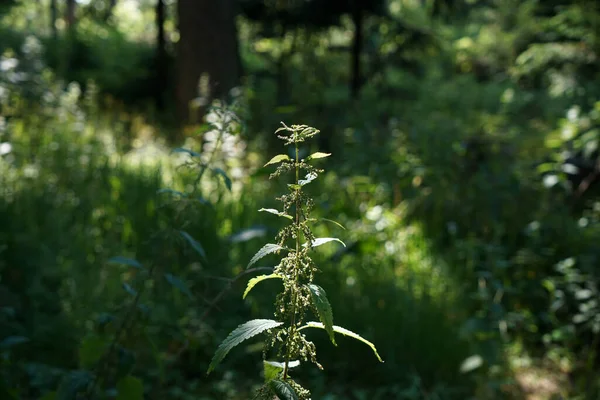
(296,270)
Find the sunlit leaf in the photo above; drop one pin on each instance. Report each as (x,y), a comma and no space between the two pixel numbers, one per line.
(282,390)
(179,284)
(127,261)
(318,155)
(130,388)
(238,335)
(320,241)
(197,246)
(272,369)
(247,234)
(186,151)
(276,212)
(277,159)
(345,332)
(264,251)
(471,364)
(311,176)
(254,281)
(321,303)
(333,222)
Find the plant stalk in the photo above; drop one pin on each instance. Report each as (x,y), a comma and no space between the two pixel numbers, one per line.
(295,277)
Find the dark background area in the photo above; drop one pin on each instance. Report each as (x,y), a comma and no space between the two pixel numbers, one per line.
(465,167)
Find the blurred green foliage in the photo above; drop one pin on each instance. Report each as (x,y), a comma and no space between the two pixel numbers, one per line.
(466,174)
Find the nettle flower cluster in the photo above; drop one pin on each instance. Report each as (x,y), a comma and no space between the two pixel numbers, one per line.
(296,270)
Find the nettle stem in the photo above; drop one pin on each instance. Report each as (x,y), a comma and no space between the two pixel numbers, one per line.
(292,328)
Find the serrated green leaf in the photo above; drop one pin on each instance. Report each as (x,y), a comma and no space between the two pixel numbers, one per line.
(238,335)
(318,155)
(91,350)
(264,251)
(282,390)
(130,388)
(219,171)
(320,241)
(321,303)
(345,332)
(197,246)
(277,159)
(276,212)
(127,261)
(12,341)
(179,284)
(252,282)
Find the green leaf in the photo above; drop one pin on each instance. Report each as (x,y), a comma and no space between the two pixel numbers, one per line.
(277,159)
(48,396)
(273,369)
(13,341)
(318,155)
(219,171)
(129,289)
(186,151)
(130,388)
(345,332)
(197,246)
(264,251)
(311,176)
(127,261)
(171,191)
(72,384)
(283,390)
(91,350)
(321,303)
(238,335)
(333,222)
(276,212)
(252,282)
(179,284)
(319,241)
(471,364)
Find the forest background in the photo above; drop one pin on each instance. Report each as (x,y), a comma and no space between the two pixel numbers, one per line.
(465,168)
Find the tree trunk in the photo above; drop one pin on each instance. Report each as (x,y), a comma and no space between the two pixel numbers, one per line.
(53,17)
(357,43)
(161,54)
(207,47)
(70,15)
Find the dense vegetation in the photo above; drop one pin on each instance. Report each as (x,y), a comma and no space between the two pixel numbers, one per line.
(464,167)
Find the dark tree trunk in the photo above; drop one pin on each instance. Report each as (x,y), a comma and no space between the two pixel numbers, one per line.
(53,17)
(70,15)
(161,54)
(207,47)
(357,43)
